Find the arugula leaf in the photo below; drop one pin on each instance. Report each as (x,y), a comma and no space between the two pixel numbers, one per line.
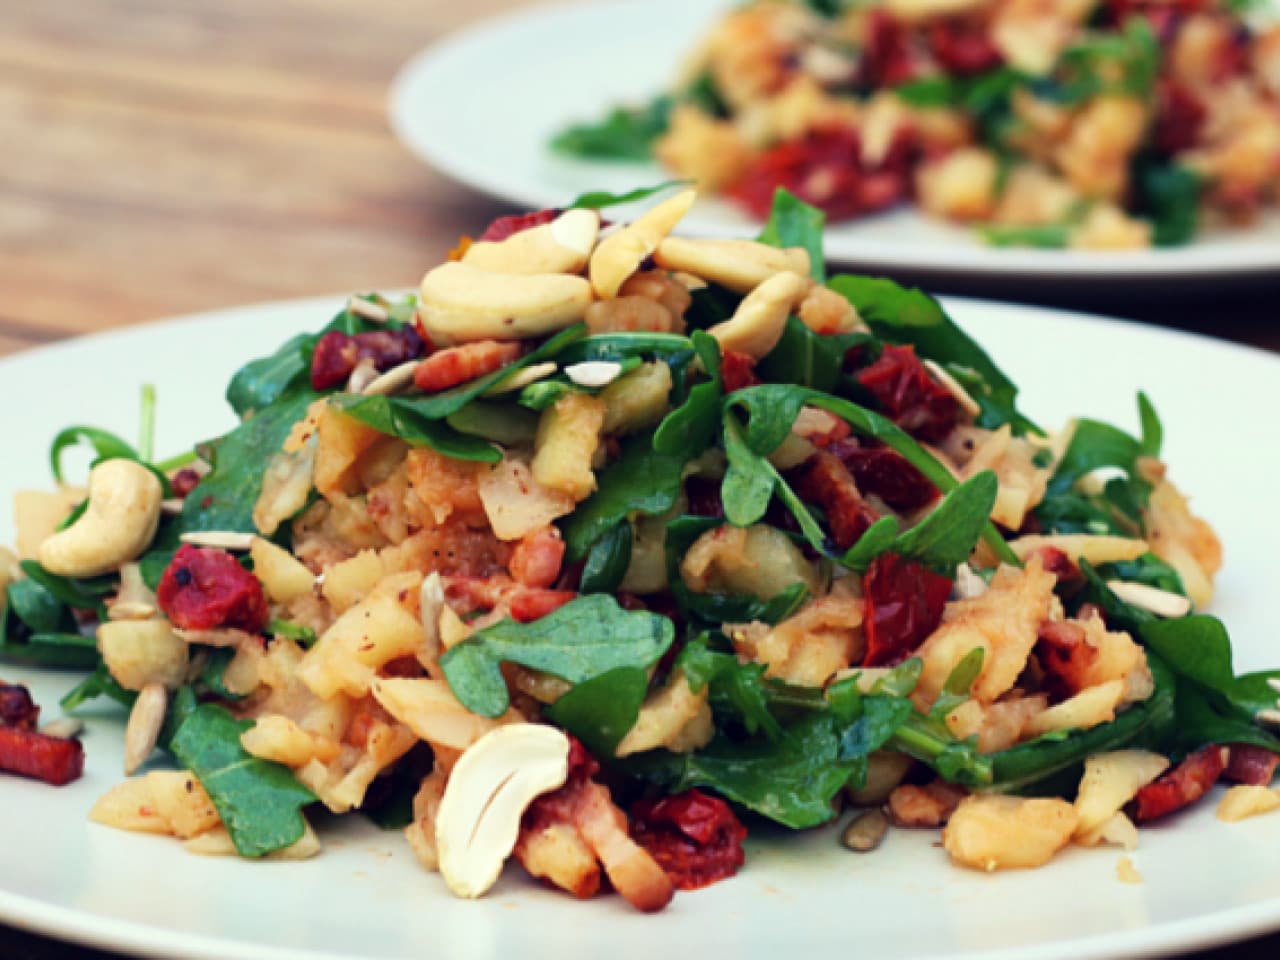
(37,628)
(641,480)
(303,636)
(688,430)
(84,594)
(1168,194)
(879,538)
(794,223)
(588,636)
(910,316)
(624,346)
(1093,445)
(598,199)
(215,668)
(1152,430)
(958,684)
(1049,236)
(946,536)
(626,133)
(735,685)
(105,444)
(601,710)
(396,417)
(259,802)
(100,683)
(809,359)
(749,481)
(607,561)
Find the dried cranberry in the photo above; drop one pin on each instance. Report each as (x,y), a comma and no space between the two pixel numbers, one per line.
(694,837)
(504,227)
(17,709)
(909,395)
(55,760)
(964,47)
(904,602)
(1180,114)
(184,481)
(1251,765)
(887,60)
(202,589)
(825,168)
(1183,785)
(337,353)
(737,371)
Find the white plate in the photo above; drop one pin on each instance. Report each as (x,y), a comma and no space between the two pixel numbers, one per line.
(483,105)
(1206,882)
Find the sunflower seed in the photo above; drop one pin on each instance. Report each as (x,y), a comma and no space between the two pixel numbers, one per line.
(393,381)
(1160,602)
(594,373)
(865,831)
(145,720)
(521,379)
(219,539)
(370,311)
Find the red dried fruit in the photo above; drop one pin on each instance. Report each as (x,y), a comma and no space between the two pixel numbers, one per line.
(537,557)
(904,603)
(694,837)
(337,353)
(17,709)
(531,604)
(909,395)
(203,589)
(887,474)
(827,482)
(184,481)
(1065,657)
(964,47)
(737,370)
(1183,785)
(1255,766)
(456,365)
(504,227)
(1180,114)
(887,60)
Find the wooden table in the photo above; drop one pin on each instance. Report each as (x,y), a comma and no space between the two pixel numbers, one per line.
(166,156)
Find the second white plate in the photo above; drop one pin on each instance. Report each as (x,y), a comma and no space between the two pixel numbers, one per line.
(483,105)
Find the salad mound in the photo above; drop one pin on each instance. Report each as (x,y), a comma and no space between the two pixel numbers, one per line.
(609,545)
(1108,125)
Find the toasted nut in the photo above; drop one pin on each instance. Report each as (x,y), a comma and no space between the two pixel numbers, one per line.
(364,374)
(756,326)
(461,303)
(865,831)
(519,379)
(740,265)
(142,652)
(430,603)
(393,381)
(1245,800)
(134,600)
(218,637)
(218,539)
(145,720)
(561,246)
(1160,602)
(367,309)
(119,523)
(968,583)
(490,787)
(64,728)
(967,403)
(620,254)
(594,373)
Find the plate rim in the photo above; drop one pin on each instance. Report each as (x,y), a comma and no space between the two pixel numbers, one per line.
(405,100)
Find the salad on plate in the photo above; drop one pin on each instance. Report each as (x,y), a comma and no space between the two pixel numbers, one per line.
(1112,125)
(608,546)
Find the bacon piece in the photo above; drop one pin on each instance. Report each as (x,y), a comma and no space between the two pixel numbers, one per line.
(203,589)
(903,605)
(55,760)
(737,370)
(827,482)
(1255,766)
(694,837)
(909,396)
(537,558)
(454,365)
(338,353)
(17,709)
(1065,657)
(1183,785)
(504,227)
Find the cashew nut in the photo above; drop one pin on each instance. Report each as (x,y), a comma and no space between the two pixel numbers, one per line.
(561,246)
(461,302)
(756,326)
(619,255)
(489,789)
(740,265)
(118,524)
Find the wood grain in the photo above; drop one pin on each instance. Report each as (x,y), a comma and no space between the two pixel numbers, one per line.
(168,156)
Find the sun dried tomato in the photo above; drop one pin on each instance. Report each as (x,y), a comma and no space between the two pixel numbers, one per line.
(337,353)
(202,589)
(826,481)
(887,474)
(55,760)
(825,168)
(1183,785)
(17,709)
(514,223)
(456,365)
(964,47)
(887,60)
(1180,114)
(537,557)
(531,604)
(694,837)
(909,395)
(184,481)
(704,497)
(737,370)
(1252,765)
(904,602)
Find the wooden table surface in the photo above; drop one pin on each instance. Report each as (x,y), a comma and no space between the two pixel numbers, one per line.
(167,156)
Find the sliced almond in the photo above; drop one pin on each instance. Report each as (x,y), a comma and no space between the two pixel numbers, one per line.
(1160,602)
(393,381)
(367,309)
(218,539)
(594,373)
(145,721)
